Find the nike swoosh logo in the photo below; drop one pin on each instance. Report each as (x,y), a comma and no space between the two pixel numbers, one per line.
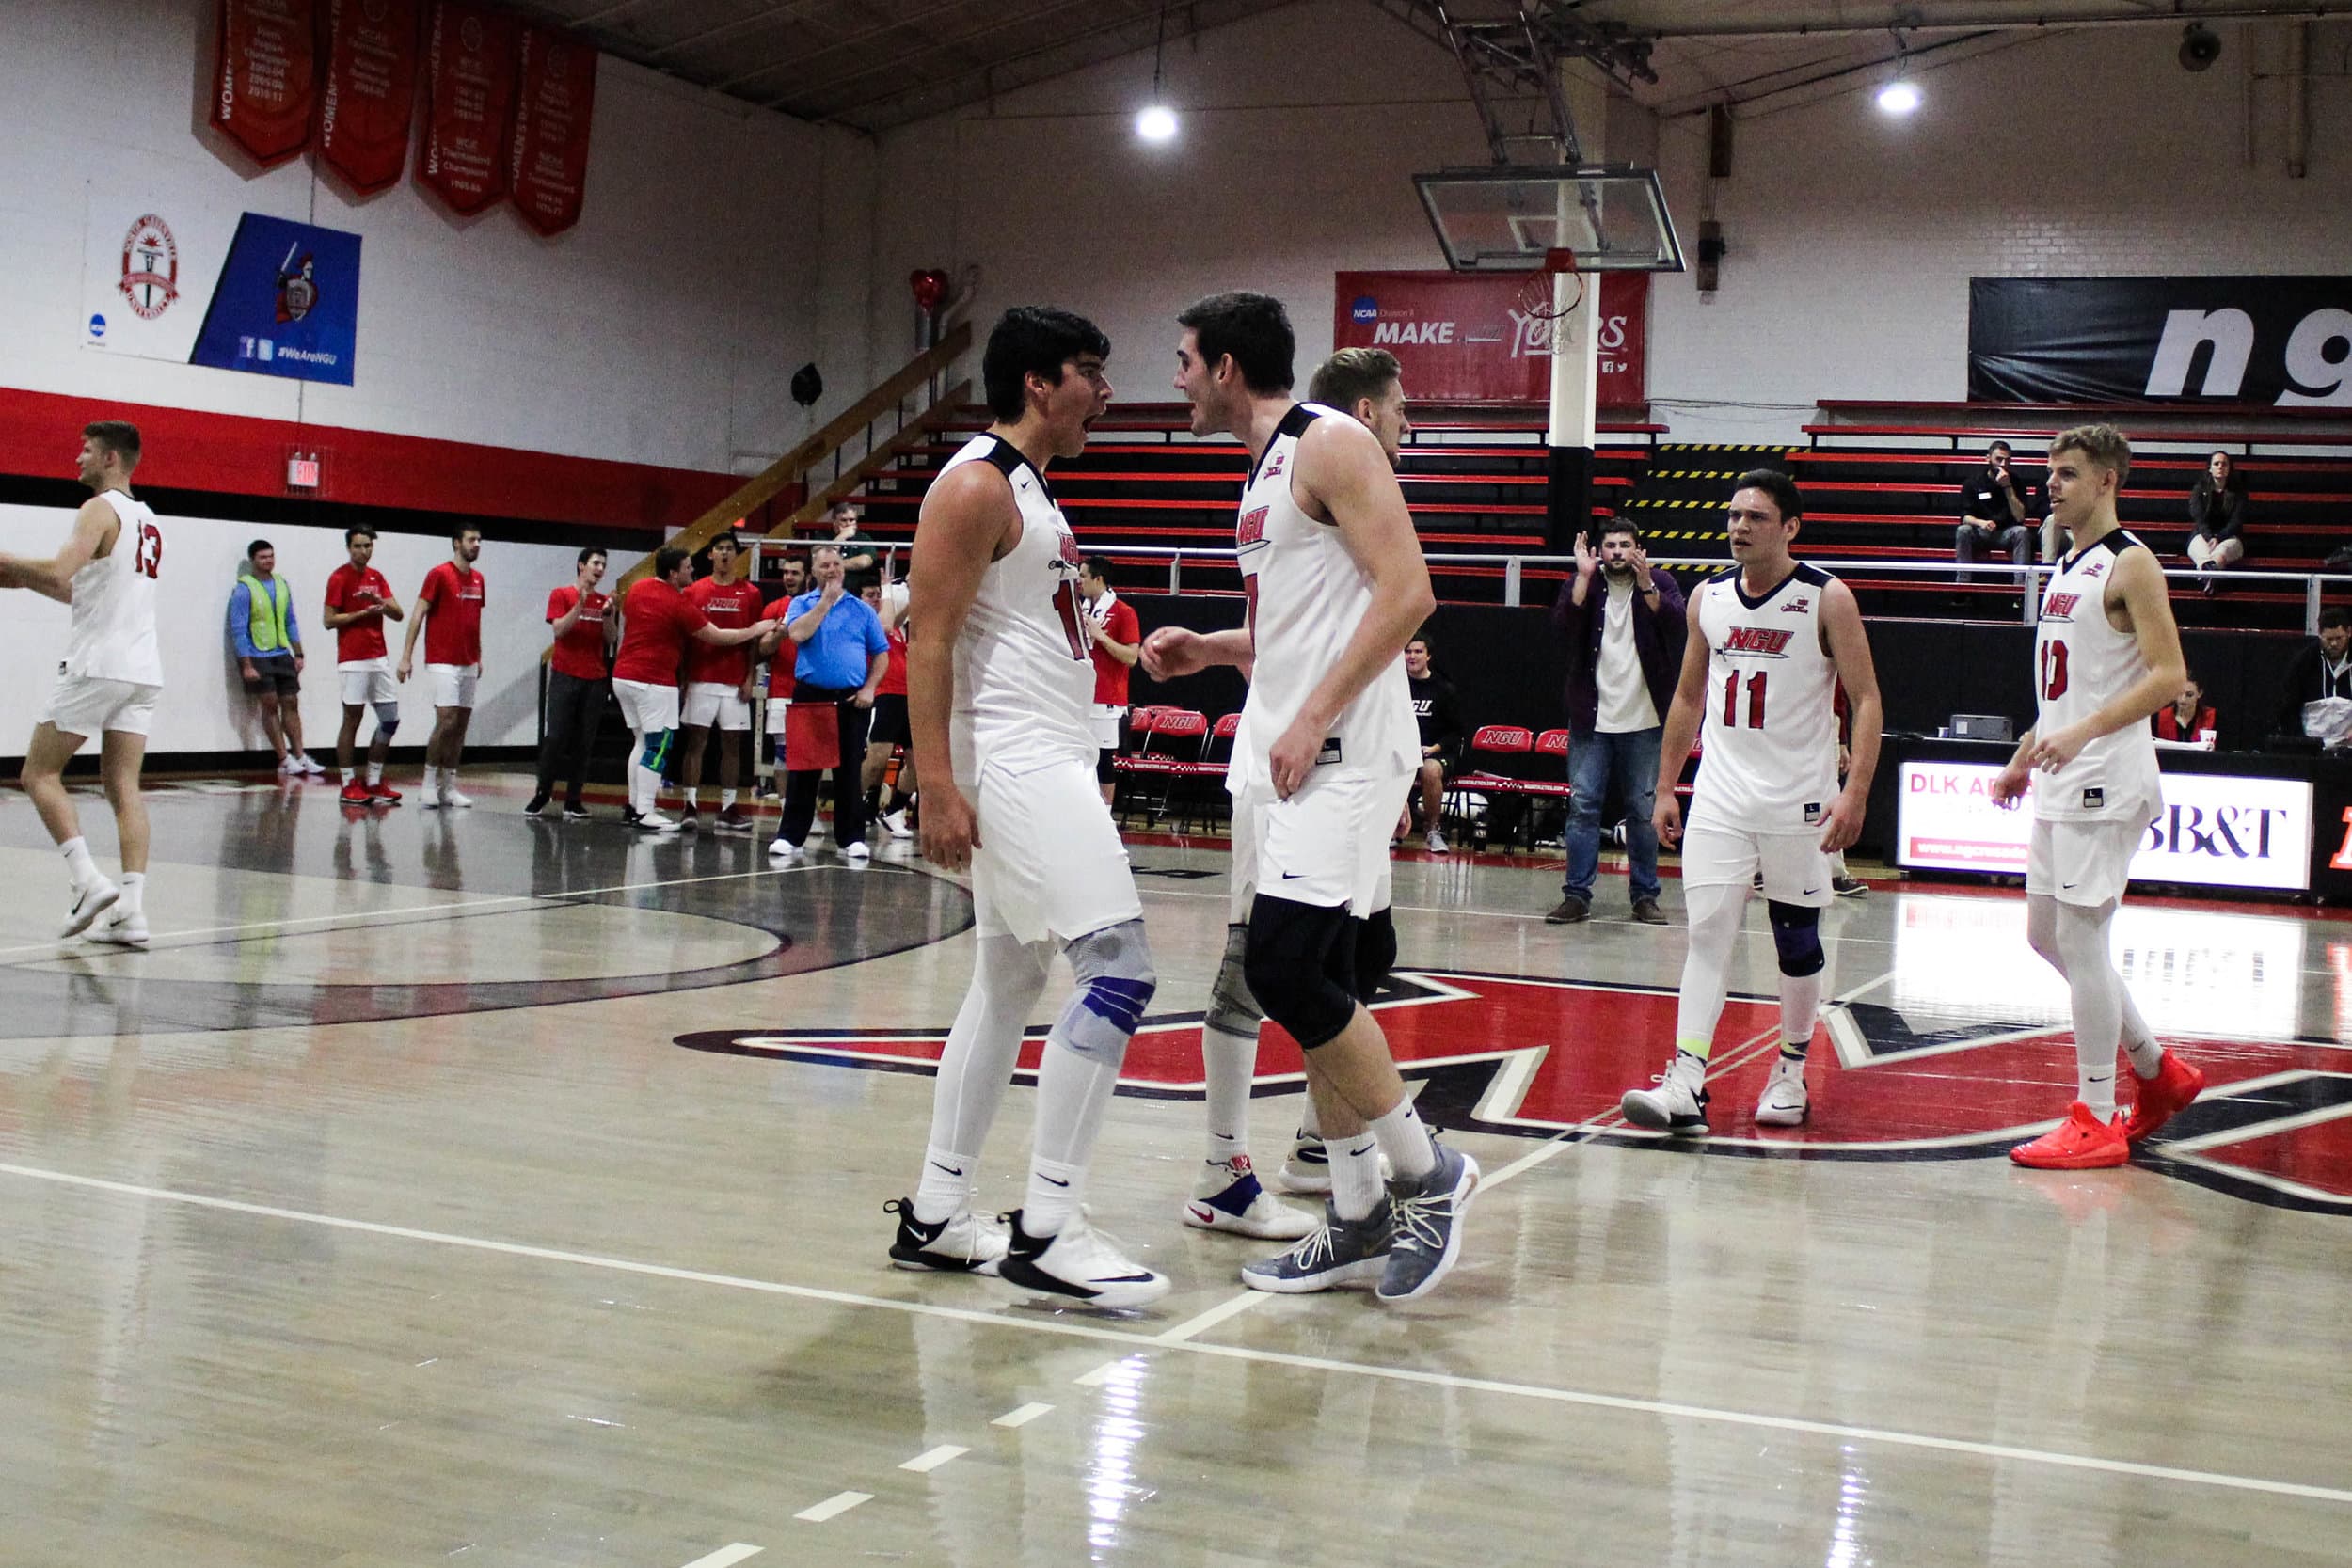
(1291,876)
(2070,884)
(1359,1153)
(1808,892)
(951,1170)
(1050,1181)
(1121,1279)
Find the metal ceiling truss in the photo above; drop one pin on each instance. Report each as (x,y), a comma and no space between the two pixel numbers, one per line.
(1509,52)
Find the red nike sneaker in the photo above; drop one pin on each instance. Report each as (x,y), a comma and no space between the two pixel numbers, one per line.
(2081,1141)
(384,794)
(2172,1090)
(356,794)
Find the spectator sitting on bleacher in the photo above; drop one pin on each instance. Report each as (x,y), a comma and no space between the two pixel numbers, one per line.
(2216,508)
(1624,654)
(1438,711)
(2189,717)
(2322,669)
(858,553)
(1991,513)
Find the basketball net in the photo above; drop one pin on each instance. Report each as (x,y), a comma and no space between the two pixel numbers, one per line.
(1550,303)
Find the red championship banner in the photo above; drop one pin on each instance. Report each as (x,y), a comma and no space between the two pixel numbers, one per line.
(1462,336)
(368,98)
(470,103)
(265,77)
(557,100)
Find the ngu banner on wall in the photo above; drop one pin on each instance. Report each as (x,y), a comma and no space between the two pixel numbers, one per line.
(2284,342)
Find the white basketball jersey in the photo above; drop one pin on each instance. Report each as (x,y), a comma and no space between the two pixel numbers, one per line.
(1769,736)
(2082,663)
(1024,666)
(112,634)
(1307,596)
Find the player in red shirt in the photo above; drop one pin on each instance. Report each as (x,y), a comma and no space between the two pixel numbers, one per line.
(1117,642)
(584,625)
(889,728)
(719,684)
(449,616)
(357,601)
(656,624)
(790,585)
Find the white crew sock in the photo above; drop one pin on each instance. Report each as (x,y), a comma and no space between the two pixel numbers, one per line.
(1404,1139)
(375,774)
(432,781)
(726,800)
(134,893)
(351,776)
(78,865)
(1228,1062)
(1355,1174)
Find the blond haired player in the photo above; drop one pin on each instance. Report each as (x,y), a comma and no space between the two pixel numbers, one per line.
(2107,656)
(107,683)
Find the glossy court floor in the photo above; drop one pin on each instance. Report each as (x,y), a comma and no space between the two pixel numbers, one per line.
(463,1189)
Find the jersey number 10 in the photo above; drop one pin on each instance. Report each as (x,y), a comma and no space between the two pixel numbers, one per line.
(1755,700)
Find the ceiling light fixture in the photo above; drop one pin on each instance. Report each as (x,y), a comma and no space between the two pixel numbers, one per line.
(1157,122)
(1901,96)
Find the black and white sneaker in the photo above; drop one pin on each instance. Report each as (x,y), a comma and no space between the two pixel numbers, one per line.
(1676,1106)
(575,813)
(960,1244)
(1079,1263)
(536,805)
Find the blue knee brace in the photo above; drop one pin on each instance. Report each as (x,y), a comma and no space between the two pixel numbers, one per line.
(1115,985)
(1797,938)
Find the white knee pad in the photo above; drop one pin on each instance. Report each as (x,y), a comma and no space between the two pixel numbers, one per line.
(1115,985)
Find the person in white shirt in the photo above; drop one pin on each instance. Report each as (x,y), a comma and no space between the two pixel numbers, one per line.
(108,681)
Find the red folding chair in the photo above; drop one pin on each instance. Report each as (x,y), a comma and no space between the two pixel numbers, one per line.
(1494,750)
(1175,726)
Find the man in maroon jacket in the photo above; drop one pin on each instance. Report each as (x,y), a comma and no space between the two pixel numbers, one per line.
(1621,620)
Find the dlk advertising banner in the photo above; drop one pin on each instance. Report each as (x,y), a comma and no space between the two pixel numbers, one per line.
(470,103)
(549,166)
(2216,830)
(368,101)
(265,77)
(262,294)
(2285,341)
(1463,338)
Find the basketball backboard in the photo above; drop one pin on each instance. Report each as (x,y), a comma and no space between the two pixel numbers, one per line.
(1613,216)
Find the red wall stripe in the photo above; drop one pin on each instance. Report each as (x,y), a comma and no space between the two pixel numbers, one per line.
(233,454)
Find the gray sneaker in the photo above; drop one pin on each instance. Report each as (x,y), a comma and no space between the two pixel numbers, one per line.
(1426,1216)
(1336,1252)
(1569,910)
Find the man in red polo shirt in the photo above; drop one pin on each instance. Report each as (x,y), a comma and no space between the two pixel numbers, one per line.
(719,685)
(889,730)
(449,616)
(357,600)
(584,623)
(1117,637)
(790,584)
(656,624)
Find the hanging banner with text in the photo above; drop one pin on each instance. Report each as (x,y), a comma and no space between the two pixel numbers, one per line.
(287,303)
(552,111)
(265,77)
(2285,341)
(1463,337)
(470,103)
(368,101)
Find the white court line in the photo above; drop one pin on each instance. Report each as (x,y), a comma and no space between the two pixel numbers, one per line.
(361,919)
(1024,1415)
(1662,1408)
(840,1502)
(931,1459)
(725,1557)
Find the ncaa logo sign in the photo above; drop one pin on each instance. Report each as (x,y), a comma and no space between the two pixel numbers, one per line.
(1363,308)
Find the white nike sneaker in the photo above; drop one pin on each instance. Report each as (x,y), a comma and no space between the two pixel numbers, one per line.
(1674,1106)
(895,825)
(1079,1263)
(1783,1102)
(1227,1196)
(453,798)
(1308,1171)
(90,901)
(310,764)
(1436,842)
(856,850)
(654,822)
(960,1244)
(785,850)
(121,928)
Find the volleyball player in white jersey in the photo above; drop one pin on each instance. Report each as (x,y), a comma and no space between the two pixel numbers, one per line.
(2106,657)
(1769,642)
(1368,384)
(1000,694)
(107,682)
(1327,749)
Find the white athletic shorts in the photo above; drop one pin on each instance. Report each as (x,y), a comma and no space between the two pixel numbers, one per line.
(2082,863)
(453,684)
(1327,845)
(1106,719)
(709,702)
(1796,871)
(89,704)
(1050,863)
(369,681)
(648,709)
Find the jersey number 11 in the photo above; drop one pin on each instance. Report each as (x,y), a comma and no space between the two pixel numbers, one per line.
(1755,700)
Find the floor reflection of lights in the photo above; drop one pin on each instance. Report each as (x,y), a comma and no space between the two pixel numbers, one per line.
(1110,1467)
(1845,1545)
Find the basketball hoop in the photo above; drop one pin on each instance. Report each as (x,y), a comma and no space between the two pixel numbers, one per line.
(1548,309)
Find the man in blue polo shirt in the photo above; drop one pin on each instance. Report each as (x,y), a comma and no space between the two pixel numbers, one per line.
(843,656)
